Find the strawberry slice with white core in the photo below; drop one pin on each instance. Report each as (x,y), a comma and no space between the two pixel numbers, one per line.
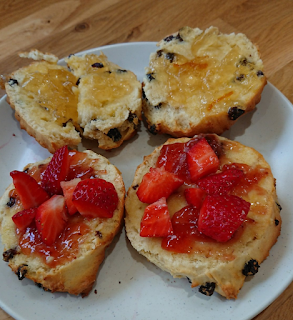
(95,198)
(68,188)
(202,160)
(156,184)
(51,219)
(30,192)
(156,221)
(56,171)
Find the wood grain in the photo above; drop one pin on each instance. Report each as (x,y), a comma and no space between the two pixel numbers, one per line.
(68,26)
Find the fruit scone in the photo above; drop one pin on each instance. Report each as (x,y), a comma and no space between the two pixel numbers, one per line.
(57,218)
(204,208)
(95,99)
(201,82)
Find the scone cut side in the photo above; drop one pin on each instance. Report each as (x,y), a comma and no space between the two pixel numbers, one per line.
(201,82)
(77,272)
(59,105)
(211,265)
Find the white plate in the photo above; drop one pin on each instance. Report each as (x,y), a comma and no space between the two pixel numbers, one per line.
(128,286)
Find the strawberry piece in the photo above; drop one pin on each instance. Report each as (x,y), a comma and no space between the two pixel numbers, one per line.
(31,194)
(56,171)
(68,188)
(156,221)
(156,184)
(173,158)
(51,219)
(95,198)
(221,183)
(221,215)
(194,196)
(24,218)
(202,160)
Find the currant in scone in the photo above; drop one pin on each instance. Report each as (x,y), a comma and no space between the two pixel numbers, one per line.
(202,208)
(58,217)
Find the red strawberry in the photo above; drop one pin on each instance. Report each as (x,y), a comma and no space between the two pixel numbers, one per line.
(202,160)
(221,183)
(30,192)
(51,219)
(56,171)
(173,158)
(194,196)
(156,221)
(95,198)
(24,218)
(68,188)
(156,184)
(221,215)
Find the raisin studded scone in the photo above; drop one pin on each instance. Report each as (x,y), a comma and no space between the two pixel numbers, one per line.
(201,82)
(58,217)
(109,104)
(206,209)
(58,106)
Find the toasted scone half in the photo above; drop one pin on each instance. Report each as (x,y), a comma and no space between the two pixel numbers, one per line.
(70,264)
(191,249)
(201,82)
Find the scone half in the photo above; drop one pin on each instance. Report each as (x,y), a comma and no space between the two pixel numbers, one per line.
(72,262)
(201,82)
(210,264)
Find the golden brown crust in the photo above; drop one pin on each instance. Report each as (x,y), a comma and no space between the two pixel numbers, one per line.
(219,263)
(78,275)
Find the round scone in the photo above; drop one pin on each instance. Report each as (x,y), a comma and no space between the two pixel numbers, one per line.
(109,104)
(201,82)
(45,238)
(95,99)
(204,208)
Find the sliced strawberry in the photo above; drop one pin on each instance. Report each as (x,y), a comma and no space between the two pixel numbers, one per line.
(221,183)
(30,192)
(156,221)
(68,188)
(51,219)
(95,198)
(24,218)
(221,215)
(194,196)
(56,171)
(202,160)
(156,184)
(173,158)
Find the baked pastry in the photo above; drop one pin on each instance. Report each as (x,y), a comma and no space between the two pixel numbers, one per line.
(204,208)
(45,238)
(109,103)
(201,82)
(57,107)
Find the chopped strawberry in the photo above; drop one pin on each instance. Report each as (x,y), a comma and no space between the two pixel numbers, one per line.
(68,188)
(194,196)
(79,166)
(29,191)
(51,219)
(173,158)
(56,171)
(156,221)
(95,198)
(156,184)
(221,215)
(24,218)
(202,160)
(185,231)
(221,183)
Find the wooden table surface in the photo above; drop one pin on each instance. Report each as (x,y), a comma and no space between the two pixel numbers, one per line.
(68,26)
